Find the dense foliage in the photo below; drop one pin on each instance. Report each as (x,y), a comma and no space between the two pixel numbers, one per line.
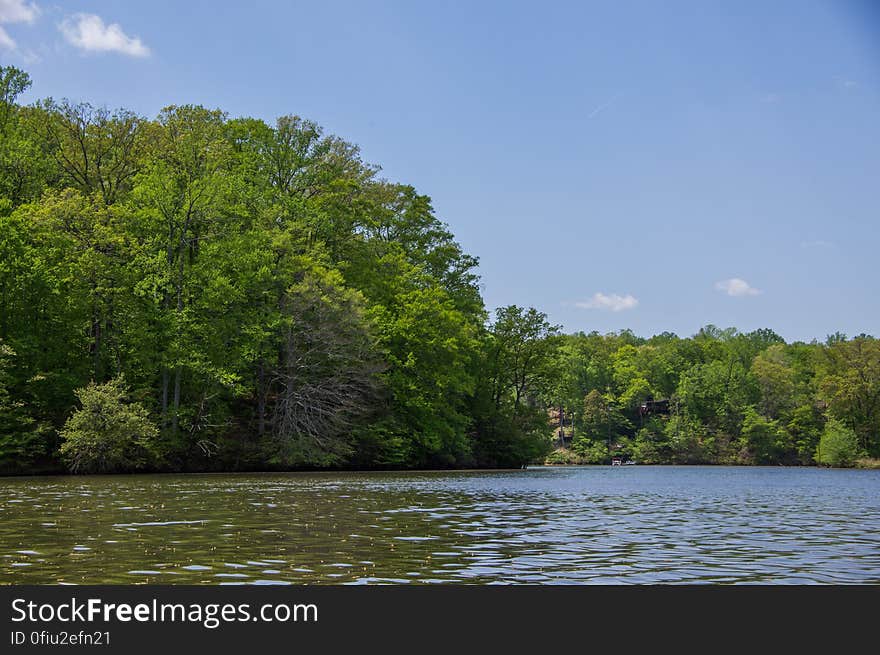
(108,433)
(720,397)
(200,292)
(270,301)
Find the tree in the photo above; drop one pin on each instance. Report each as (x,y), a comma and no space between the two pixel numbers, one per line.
(511,401)
(839,445)
(852,388)
(97,151)
(716,394)
(13,82)
(805,427)
(775,380)
(108,433)
(24,166)
(429,346)
(592,452)
(630,380)
(523,344)
(688,441)
(766,441)
(79,238)
(326,376)
(651,444)
(600,421)
(181,191)
(24,433)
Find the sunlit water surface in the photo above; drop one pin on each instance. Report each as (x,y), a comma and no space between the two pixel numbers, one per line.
(634,524)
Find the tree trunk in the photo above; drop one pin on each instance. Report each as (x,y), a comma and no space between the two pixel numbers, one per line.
(177,371)
(261,400)
(96,348)
(164,397)
(176,406)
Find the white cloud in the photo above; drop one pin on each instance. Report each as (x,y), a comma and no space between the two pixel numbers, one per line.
(6,42)
(736,287)
(15,11)
(610,302)
(89,33)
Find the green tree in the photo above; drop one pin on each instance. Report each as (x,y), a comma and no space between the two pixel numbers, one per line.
(805,426)
(717,393)
(651,444)
(25,167)
(96,151)
(429,346)
(181,192)
(765,440)
(775,380)
(839,445)
(24,435)
(630,379)
(852,388)
(109,432)
(600,421)
(592,452)
(510,404)
(13,82)
(689,441)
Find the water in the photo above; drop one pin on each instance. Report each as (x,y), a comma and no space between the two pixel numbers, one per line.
(635,524)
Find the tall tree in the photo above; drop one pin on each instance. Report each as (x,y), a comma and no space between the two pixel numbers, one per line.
(96,150)
(852,388)
(182,190)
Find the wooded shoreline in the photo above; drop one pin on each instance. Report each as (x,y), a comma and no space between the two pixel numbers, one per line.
(203,293)
(864,465)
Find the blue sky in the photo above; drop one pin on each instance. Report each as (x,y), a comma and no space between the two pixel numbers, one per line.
(644,165)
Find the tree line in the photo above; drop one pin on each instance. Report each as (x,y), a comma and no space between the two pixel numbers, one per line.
(200,292)
(719,397)
(197,292)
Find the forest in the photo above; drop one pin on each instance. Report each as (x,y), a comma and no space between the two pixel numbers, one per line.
(197,292)
(719,397)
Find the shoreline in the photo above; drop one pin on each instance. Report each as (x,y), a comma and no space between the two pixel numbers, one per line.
(873,466)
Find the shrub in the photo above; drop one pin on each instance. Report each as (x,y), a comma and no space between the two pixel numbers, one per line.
(688,440)
(591,452)
(109,433)
(767,442)
(651,445)
(838,445)
(563,457)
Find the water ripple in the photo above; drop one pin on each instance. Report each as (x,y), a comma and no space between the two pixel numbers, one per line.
(638,525)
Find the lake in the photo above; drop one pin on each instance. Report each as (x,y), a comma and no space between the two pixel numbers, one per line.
(542,525)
